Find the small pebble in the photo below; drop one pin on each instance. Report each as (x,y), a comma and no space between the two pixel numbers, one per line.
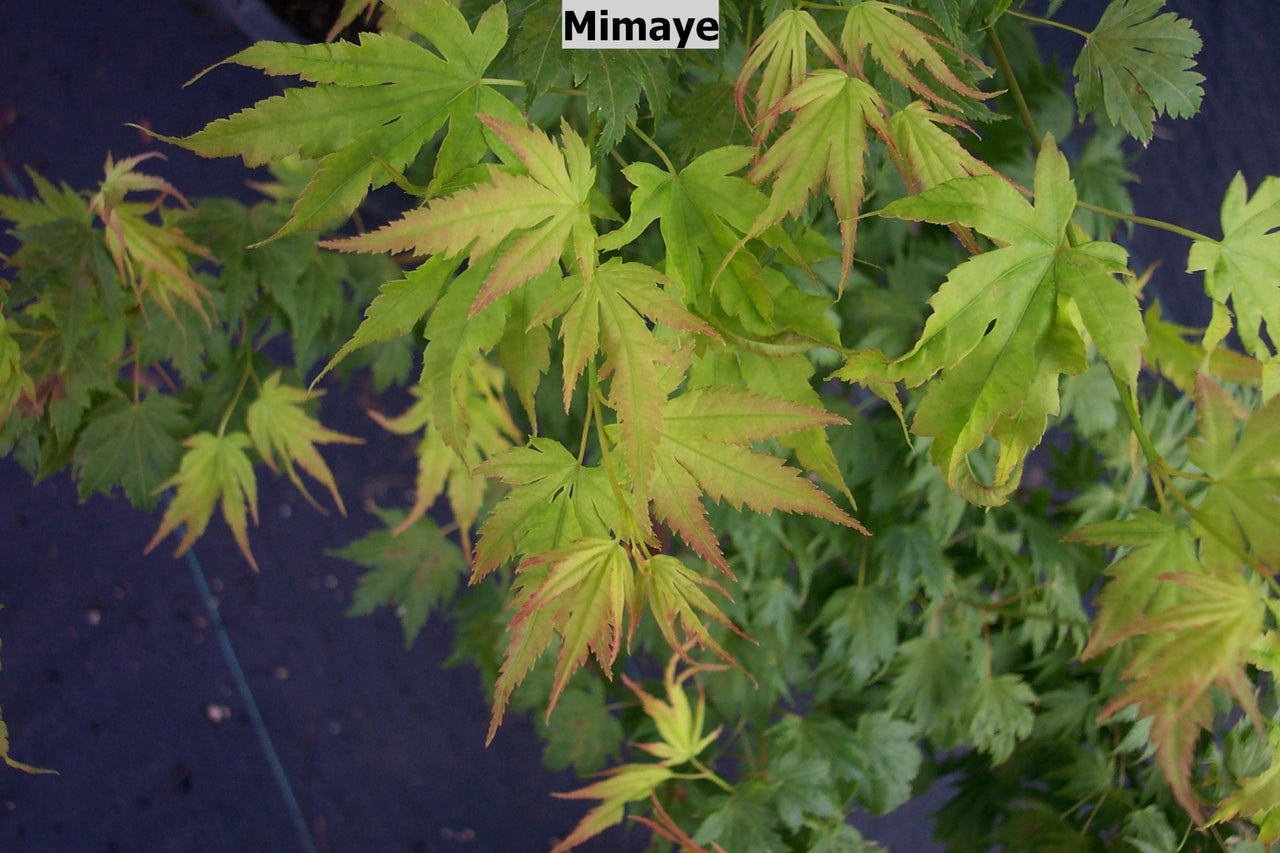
(217,712)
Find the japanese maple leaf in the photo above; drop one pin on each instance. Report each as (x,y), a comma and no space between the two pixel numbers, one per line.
(581,592)
(214,469)
(703,211)
(1137,63)
(155,260)
(609,315)
(442,469)
(826,143)
(929,155)
(1000,333)
(782,51)
(375,105)
(621,785)
(1243,504)
(523,222)
(554,499)
(1195,628)
(1245,265)
(705,448)
(281,428)
(898,46)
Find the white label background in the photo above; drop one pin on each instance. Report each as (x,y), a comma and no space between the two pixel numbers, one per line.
(647,10)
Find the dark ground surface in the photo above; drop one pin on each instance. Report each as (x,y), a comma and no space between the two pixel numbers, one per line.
(109,665)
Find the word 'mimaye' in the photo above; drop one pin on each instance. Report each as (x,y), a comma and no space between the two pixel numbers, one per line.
(597,28)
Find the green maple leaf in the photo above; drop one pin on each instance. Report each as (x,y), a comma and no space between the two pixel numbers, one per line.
(14,381)
(282,430)
(519,225)
(375,105)
(214,469)
(1257,798)
(862,631)
(581,732)
(1000,332)
(608,315)
(131,444)
(611,80)
(1000,715)
(553,501)
(826,143)
(929,155)
(1242,503)
(885,755)
(743,820)
(446,469)
(410,566)
(705,448)
(1137,63)
(397,308)
(1245,265)
(583,590)
(1157,545)
(621,785)
(782,51)
(898,46)
(703,212)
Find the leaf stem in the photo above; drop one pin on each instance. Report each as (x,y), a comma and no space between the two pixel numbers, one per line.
(1146,220)
(657,149)
(501,81)
(711,775)
(1049,22)
(235,398)
(1015,91)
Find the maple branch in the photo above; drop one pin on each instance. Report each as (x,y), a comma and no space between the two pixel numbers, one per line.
(1049,22)
(1015,91)
(1146,220)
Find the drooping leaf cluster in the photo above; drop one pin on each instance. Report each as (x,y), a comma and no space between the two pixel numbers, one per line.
(742,363)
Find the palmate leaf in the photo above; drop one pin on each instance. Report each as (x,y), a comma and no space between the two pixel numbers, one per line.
(1137,63)
(825,143)
(1000,333)
(155,260)
(1245,265)
(1194,629)
(783,52)
(621,785)
(131,444)
(898,46)
(519,225)
(1000,715)
(1157,545)
(446,469)
(410,566)
(14,381)
(705,448)
(375,105)
(397,308)
(554,500)
(1243,504)
(1187,648)
(582,590)
(214,469)
(609,314)
(285,435)
(703,212)
(929,155)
